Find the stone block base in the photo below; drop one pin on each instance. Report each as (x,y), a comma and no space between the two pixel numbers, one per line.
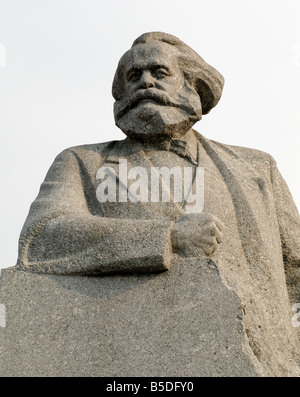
(184,322)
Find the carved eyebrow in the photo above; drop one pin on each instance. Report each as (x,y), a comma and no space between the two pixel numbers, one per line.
(158,66)
(153,66)
(133,70)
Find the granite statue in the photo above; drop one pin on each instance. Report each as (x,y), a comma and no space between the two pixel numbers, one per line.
(83,224)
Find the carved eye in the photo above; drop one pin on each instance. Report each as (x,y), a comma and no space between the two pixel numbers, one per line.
(161,73)
(134,76)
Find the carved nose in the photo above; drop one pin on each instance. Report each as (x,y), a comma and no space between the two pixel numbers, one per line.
(146,80)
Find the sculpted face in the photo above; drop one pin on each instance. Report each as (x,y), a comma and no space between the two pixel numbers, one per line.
(158,100)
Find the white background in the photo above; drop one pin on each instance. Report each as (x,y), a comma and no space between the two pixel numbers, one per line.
(61,55)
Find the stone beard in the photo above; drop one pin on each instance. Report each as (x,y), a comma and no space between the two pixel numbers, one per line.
(160,120)
(158,102)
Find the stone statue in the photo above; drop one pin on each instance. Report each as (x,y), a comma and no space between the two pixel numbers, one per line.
(89,219)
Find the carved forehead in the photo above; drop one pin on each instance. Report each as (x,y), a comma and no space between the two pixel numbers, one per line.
(150,54)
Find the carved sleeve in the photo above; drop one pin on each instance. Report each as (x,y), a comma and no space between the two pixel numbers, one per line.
(61,236)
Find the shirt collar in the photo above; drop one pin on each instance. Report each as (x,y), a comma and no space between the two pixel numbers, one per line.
(186,146)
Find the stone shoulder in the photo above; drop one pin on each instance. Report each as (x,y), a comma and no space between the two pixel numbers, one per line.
(98,148)
(253,156)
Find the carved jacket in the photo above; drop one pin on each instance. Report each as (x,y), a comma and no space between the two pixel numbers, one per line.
(68,231)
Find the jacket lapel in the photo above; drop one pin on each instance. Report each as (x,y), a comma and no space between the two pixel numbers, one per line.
(241,181)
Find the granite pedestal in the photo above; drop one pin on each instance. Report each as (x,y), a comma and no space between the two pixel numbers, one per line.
(184,322)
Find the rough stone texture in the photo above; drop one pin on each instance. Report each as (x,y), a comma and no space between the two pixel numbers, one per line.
(249,226)
(146,325)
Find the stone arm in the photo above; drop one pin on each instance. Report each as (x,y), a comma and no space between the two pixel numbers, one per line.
(61,236)
(289,226)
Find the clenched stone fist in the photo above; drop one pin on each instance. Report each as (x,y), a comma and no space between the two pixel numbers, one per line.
(196,235)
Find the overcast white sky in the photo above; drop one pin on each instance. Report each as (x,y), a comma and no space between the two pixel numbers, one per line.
(61,56)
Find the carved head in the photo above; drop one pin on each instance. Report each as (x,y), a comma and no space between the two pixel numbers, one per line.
(162,87)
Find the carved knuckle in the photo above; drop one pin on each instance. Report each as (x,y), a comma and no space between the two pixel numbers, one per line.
(214,230)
